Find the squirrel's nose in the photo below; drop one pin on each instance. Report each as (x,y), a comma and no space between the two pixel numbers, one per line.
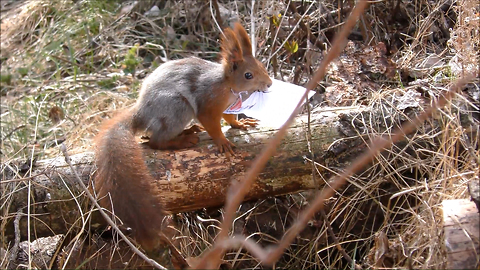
(268,85)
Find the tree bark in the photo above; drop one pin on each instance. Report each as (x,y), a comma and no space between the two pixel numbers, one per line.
(195,178)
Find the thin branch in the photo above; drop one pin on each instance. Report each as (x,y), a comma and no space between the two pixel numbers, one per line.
(291,32)
(216,15)
(252,28)
(314,40)
(44,172)
(309,144)
(16,243)
(238,190)
(335,240)
(237,241)
(11,132)
(153,263)
(376,146)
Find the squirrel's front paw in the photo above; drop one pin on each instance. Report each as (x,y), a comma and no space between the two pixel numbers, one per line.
(224,145)
(245,123)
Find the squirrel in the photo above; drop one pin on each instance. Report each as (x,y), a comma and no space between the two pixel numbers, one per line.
(170,98)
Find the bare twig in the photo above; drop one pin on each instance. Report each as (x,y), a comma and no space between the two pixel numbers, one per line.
(177,256)
(290,34)
(27,178)
(237,241)
(153,263)
(309,144)
(216,17)
(314,40)
(376,146)
(335,240)
(11,132)
(16,243)
(252,28)
(238,190)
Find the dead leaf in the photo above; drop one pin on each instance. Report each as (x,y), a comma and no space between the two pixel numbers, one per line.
(56,114)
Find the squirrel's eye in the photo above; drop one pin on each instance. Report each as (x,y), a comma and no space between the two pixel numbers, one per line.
(248,76)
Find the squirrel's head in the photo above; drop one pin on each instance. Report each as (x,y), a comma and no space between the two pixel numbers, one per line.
(242,71)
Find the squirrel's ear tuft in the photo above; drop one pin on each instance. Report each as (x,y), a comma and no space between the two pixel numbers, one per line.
(231,53)
(243,38)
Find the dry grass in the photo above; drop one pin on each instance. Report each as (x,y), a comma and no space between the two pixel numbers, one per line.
(71,55)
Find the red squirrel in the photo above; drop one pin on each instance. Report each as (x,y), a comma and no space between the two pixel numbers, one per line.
(170,97)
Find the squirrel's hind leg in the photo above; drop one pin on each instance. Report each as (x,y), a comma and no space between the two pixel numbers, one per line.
(195,128)
(179,142)
(187,138)
(172,135)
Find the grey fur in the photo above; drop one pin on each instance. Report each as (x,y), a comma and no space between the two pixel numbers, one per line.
(171,95)
(181,90)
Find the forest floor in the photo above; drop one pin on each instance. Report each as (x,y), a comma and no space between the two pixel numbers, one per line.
(67,65)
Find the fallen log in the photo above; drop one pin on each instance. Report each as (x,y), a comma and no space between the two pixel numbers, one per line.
(462,230)
(195,178)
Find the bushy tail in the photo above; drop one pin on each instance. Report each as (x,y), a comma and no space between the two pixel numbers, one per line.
(123,179)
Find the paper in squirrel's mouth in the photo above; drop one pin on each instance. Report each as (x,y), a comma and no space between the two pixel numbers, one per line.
(272,106)
(244,101)
(236,106)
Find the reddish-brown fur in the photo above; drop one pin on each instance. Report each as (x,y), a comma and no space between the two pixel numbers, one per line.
(127,197)
(122,177)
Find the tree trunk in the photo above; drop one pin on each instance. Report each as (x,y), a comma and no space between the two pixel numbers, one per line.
(195,178)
